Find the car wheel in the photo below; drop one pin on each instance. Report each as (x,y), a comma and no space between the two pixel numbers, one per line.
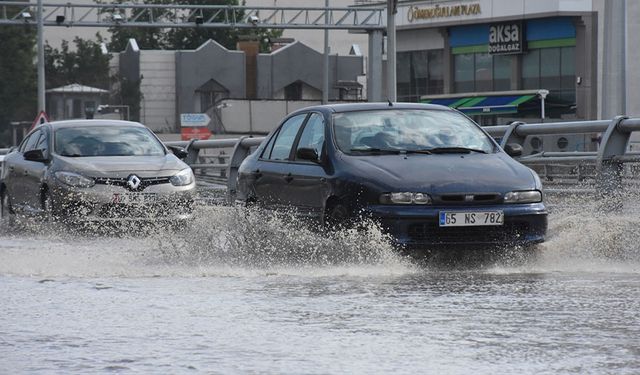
(7,215)
(336,216)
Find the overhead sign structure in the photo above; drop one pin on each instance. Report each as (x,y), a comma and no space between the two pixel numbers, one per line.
(194,120)
(506,38)
(41,118)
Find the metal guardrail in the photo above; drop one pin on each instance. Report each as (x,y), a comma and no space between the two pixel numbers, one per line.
(605,166)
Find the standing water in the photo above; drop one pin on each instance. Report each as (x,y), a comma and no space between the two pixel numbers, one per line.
(245,292)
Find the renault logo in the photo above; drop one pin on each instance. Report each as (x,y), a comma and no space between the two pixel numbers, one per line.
(133,182)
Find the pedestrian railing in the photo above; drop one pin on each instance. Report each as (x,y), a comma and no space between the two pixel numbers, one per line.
(604,167)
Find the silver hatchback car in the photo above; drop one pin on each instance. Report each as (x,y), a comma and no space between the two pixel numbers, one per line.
(96,170)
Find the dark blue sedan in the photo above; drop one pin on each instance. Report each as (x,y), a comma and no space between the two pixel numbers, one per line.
(428,174)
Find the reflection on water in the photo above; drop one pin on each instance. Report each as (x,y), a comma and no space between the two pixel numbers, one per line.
(245,292)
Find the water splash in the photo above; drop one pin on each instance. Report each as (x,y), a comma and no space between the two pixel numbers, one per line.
(220,241)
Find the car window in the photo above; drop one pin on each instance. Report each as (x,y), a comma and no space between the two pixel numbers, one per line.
(313,134)
(107,141)
(285,138)
(43,144)
(32,142)
(408,130)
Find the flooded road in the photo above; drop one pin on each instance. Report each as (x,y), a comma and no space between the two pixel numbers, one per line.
(230,296)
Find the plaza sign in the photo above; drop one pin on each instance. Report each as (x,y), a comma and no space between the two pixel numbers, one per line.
(442,11)
(506,38)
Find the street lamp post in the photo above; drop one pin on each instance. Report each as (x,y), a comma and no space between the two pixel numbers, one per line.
(392,9)
(40,42)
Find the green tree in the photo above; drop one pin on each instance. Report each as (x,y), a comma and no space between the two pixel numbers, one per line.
(86,64)
(18,84)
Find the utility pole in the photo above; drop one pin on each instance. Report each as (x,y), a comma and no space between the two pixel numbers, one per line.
(392,9)
(40,42)
(325,65)
(614,91)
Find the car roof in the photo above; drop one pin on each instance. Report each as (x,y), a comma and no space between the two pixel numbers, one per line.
(352,107)
(91,123)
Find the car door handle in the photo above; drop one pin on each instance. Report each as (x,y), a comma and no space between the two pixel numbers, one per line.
(288,177)
(256,173)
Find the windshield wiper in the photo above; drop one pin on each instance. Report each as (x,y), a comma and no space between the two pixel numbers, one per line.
(376,150)
(455,150)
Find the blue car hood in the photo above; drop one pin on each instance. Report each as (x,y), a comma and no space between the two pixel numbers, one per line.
(442,173)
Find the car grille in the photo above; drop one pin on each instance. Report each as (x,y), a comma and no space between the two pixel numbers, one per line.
(115,210)
(453,199)
(432,233)
(122,181)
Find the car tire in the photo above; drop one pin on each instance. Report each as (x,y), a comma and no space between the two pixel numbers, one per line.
(336,217)
(7,215)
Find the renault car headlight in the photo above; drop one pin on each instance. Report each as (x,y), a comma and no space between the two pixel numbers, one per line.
(531,196)
(405,198)
(74,179)
(182,178)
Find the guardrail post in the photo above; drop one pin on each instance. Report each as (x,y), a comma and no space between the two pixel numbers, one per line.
(512,136)
(239,153)
(192,153)
(609,171)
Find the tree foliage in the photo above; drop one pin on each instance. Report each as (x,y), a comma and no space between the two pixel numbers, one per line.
(86,64)
(18,85)
(188,38)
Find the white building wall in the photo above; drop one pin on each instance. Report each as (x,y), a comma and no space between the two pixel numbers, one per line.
(158,87)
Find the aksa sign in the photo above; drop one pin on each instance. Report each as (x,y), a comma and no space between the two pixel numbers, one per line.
(506,38)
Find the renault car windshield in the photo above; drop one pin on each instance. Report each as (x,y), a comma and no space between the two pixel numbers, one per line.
(411,131)
(107,141)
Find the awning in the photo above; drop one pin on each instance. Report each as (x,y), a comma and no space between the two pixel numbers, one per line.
(484,104)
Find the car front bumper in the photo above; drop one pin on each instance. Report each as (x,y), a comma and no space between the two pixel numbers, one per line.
(417,225)
(113,203)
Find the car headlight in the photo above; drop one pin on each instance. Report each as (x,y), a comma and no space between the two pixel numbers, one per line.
(405,198)
(74,179)
(531,196)
(182,178)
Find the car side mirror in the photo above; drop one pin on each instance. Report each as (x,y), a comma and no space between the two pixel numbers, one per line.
(35,155)
(513,149)
(179,152)
(307,153)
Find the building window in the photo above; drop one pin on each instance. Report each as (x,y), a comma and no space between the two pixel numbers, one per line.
(478,72)
(419,73)
(552,69)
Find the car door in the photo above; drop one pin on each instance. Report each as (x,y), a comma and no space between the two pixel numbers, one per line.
(17,168)
(34,172)
(308,187)
(272,172)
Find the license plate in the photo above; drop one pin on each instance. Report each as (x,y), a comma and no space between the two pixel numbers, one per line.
(134,198)
(469,219)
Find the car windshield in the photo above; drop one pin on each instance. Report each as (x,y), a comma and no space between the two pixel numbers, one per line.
(107,141)
(408,130)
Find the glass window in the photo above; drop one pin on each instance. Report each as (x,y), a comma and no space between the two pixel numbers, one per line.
(531,70)
(502,72)
(484,72)
(43,144)
(435,84)
(464,72)
(285,138)
(406,130)
(419,73)
(31,142)
(111,140)
(313,134)
(550,70)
